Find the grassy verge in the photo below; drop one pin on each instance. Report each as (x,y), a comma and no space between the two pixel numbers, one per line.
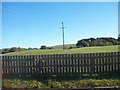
(18,83)
(74,81)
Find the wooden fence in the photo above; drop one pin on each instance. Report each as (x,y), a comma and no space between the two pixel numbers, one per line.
(88,63)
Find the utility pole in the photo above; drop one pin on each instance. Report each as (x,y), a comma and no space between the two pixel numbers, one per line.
(63,35)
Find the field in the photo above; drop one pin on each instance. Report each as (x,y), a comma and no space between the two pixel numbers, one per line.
(111,79)
(58,50)
(58,47)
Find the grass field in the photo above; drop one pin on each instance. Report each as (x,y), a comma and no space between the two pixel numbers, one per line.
(58,47)
(58,50)
(103,80)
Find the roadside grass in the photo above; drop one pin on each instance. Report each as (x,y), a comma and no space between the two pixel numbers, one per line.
(69,51)
(17,83)
(111,79)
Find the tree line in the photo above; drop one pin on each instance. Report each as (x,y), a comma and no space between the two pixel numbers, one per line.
(16,49)
(105,41)
(102,41)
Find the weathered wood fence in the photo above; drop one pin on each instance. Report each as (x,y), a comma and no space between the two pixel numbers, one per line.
(88,63)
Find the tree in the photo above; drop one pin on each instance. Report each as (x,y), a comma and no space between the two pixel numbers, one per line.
(19,48)
(82,43)
(6,50)
(13,49)
(43,47)
(34,48)
(29,48)
(118,40)
(103,41)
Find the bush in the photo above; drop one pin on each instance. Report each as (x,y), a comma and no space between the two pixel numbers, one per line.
(13,49)
(29,48)
(43,47)
(50,48)
(71,47)
(3,51)
(82,43)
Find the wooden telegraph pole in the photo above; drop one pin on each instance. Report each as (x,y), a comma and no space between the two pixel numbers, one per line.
(63,35)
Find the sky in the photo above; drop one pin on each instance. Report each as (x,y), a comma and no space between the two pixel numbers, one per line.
(32,24)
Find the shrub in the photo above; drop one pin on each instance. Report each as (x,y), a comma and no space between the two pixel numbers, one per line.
(50,48)
(13,49)
(43,47)
(29,48)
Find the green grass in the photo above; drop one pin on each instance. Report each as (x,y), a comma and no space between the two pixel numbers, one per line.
(18,83)
(75,81)
(66,46)
(69,51)
(112,79)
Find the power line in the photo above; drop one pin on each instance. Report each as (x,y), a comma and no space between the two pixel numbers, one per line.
(21,14)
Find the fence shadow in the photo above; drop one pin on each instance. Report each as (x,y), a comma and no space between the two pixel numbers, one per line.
(69,77)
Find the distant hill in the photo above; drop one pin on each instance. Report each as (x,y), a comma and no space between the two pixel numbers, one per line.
(67,46)
(94,49)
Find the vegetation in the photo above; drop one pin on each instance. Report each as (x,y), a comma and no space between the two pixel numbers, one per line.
(67,46)
(13,49)
(18,83)
(43,47)
(74,81)
(90,42)
(106,41)
(69,81)
(74,50)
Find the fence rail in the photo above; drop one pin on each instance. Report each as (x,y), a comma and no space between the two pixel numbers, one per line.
(88,63)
